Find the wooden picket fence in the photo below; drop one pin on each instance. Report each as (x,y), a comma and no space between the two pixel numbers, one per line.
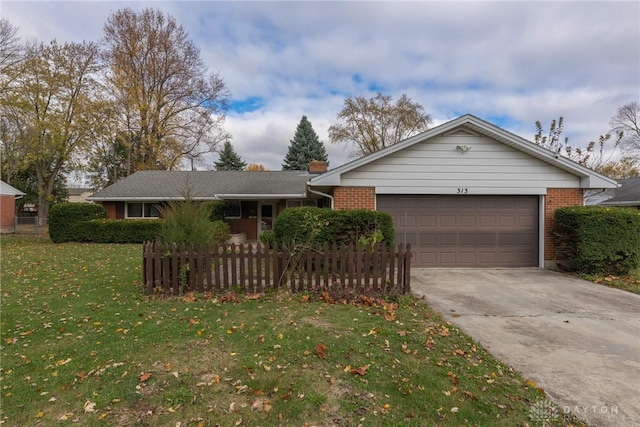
(178,269)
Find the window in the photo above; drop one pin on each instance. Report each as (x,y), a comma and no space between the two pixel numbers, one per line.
(142,210)
(232,209)
(298,203)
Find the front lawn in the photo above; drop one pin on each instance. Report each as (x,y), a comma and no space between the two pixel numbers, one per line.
(630,282)
(82,345)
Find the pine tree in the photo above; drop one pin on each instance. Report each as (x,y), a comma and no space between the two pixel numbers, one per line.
(229,159)
(304,147)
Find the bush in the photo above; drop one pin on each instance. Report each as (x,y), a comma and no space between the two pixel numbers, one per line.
(599,240)
(119,230)
(319,226)
(220,231)
(217,211)
(187,221)
(65,217)
(268,237)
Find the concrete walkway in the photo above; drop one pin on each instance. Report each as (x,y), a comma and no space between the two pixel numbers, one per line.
(577,340)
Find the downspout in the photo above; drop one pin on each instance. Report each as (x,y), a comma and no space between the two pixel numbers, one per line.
(321,194)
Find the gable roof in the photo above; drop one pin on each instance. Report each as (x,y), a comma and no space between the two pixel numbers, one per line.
(627,195)
(8,190)
(472,124)
(206,185)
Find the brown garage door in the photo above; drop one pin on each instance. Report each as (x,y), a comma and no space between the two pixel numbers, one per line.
(466,231)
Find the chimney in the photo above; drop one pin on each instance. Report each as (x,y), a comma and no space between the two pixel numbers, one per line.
(317,166)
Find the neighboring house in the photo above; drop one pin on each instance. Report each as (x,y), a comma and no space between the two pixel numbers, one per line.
(253,199)
(463,194)
(78,194)
(8,196)
(626,196)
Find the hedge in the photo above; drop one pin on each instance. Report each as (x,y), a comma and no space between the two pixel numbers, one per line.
(319,225)
(599,240)
(64,217)
(118,230)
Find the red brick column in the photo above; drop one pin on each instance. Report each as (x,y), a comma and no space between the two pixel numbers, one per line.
(354,198)
(557,198)
(110,207)
(7,212)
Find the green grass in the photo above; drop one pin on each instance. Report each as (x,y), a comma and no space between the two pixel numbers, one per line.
(82,344)
(630,282)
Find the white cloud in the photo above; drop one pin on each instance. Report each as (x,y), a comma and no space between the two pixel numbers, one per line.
(519,61)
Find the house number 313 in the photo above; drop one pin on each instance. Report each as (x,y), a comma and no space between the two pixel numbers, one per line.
(462,190)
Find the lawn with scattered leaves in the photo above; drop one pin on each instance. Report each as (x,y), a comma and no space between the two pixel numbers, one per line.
(629,282)
(81,344)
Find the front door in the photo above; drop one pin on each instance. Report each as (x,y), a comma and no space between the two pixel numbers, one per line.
(267,214)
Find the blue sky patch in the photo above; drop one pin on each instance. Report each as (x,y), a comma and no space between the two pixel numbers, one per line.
(246,105)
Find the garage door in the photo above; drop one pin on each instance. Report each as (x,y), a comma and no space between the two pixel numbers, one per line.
(466,231)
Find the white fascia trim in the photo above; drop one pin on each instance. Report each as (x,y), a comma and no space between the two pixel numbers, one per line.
(142,199)
(260,196)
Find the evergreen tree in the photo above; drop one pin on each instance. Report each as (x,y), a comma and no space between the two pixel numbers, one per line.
(229,159)
(304,147)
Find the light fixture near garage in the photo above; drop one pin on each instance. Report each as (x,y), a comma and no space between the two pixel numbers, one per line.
(463,148)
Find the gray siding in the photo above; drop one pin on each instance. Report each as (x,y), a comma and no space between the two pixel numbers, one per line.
(436,167)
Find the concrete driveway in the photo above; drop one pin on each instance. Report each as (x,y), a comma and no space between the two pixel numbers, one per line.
(577,340)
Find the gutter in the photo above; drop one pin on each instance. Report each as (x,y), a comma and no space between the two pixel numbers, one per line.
(320,194)
(259,196)
(142,199)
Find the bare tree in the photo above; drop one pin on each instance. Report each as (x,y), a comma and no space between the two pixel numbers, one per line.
(11,52)
(376,123)
(171,108)
(600,155)
(627,121)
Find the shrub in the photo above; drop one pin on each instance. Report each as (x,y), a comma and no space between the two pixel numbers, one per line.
(186,221)
(597,239)
(217,211)
(64,218)
(119,230)
(268,237)
(220,231)
(318,225)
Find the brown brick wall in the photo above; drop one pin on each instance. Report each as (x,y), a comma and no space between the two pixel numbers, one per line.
(354,198)
(7,212)
(110,207)
(557,198)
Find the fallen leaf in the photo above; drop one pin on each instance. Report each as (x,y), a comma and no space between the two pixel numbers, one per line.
(144,377)
(320,350)
(89,406)
(360,371)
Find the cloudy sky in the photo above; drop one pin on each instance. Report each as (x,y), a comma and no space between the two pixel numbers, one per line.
(508,62)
